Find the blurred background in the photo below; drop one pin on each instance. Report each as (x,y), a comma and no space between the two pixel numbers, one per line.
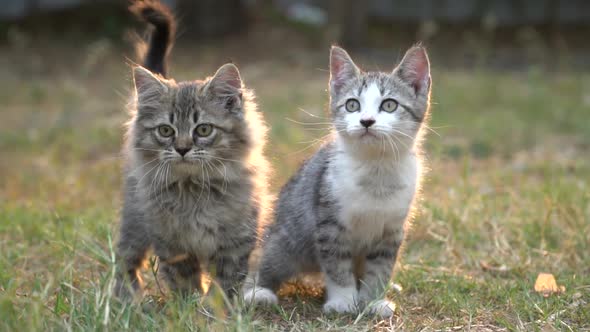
(508,144)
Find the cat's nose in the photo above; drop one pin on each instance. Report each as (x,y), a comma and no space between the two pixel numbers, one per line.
(182,151)
(367,122)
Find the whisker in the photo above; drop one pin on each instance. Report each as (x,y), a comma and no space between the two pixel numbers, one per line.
(144,149)
(224,183)
(202,180)
(144,164)
(168,168)
(402,133)
(321,139)
(208,183)
(308,123)
(318,129)
(310,114)
(148,172)
(395,138)
(394,148)
(427,127)
(225,159)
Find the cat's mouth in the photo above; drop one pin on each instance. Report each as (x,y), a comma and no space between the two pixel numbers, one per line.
(186,167)
(190,159)
(185,164)
(368,134)
(364,134)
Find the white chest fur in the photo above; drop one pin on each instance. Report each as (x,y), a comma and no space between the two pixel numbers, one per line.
(373,195)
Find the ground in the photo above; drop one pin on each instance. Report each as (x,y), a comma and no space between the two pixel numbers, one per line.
(507,194)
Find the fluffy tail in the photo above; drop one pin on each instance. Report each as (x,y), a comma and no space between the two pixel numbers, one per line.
(162,37)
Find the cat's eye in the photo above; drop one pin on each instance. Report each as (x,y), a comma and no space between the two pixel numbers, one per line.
(352,105)
(204,130)
(229,103)
(165,130)
(388,105)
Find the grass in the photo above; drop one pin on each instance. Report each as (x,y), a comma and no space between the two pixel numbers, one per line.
(507,197)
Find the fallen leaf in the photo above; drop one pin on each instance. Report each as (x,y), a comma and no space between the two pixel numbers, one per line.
(546,285)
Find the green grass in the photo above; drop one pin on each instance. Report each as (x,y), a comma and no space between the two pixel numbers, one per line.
(507,197)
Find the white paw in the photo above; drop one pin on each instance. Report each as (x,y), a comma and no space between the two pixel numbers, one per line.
(340,306)
(382,308)
(260,295)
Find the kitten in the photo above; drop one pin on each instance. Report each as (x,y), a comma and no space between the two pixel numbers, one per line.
(195,174)
(345,211)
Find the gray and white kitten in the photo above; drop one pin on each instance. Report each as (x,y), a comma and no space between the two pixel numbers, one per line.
(195,176)
(345,211)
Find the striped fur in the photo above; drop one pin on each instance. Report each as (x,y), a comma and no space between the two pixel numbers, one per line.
(199,208)
(345,211)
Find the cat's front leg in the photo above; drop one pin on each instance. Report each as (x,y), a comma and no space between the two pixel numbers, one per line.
(231,264)
(335,258)
(182,273)
(379,262)
(132,250)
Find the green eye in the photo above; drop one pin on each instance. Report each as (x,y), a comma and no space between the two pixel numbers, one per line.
(165,130)
(388,105)
(204,130)
(352,105)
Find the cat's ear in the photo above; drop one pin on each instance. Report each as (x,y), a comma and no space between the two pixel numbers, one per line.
(342,69)
(414,69)
(227,80)
(147,85)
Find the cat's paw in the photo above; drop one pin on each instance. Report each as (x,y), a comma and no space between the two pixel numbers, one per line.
(260,295)
(382,308)
(341,306)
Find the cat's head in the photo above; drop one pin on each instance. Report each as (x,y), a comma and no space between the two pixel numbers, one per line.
(189,127)
(380,111)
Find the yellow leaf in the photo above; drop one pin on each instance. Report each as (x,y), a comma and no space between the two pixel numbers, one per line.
(546,285)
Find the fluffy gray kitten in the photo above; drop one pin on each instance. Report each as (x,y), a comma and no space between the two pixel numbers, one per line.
(195,176)
(345,211)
